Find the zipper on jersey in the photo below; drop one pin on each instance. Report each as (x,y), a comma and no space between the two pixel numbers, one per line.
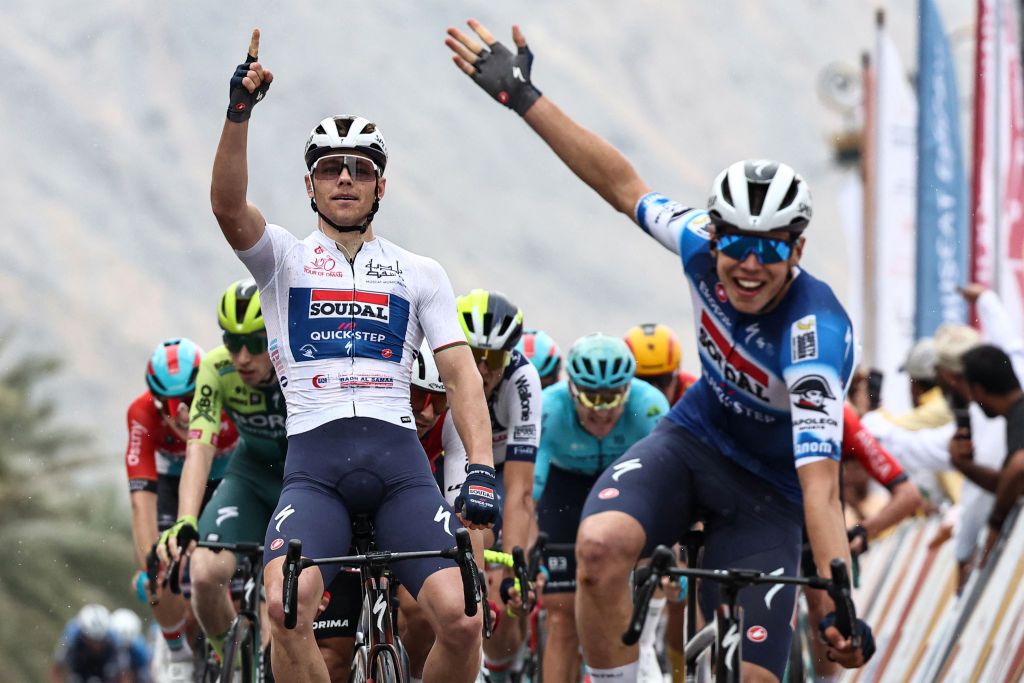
(352,327)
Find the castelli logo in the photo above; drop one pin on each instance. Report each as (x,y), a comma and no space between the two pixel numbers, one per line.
(607,494)
(276,545)
(386,353)
(240,106)
(757,634)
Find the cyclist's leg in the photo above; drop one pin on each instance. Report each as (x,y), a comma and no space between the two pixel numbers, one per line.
(417,633)
(300,513)
(751,525)
(335,627)
(642,500)
(415,516)
(558,515)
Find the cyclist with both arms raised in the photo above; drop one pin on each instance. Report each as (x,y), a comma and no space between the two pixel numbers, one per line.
(753,448)
(589,421)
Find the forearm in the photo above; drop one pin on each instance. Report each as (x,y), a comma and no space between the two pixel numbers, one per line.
(194,475)
(588,155)
(985,477)
(230,171)
(823,514)
(1009,488)
(144,529)
(904,502)
(518,505)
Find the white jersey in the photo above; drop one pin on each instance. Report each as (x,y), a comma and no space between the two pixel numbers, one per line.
(515,412)
(343,336)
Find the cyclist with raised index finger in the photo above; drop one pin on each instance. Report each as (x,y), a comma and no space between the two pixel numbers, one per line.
(753,448)
(345,313)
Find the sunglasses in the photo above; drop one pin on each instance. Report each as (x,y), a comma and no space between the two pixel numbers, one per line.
(766,249)
(495,360)
(421,399)
(169,405)
(360,169)
(604,399)
(255,344)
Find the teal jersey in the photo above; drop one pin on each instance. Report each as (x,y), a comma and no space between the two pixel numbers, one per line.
(566,444)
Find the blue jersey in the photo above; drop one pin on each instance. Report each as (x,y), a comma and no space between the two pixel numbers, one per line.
(568,445)
(101,661)
(772,386)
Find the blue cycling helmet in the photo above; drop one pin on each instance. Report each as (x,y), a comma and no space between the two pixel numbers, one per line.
(173,367)
(541,349)
(598,361)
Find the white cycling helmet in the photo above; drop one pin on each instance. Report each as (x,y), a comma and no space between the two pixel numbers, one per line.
(346,132)
(94,621)
(760,195)
(424,371)
(125,624)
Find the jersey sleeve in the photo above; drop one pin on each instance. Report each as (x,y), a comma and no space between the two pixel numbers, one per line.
(524,427)
(859,443)
(816,354)
(204,422)
(672,223)
(140,455)
(653,405)
(454,461)
(261,259)
(437,312)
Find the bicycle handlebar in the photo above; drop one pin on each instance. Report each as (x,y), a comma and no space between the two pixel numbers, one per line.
(661,560)
(467,568)
(290,590)
(842,596)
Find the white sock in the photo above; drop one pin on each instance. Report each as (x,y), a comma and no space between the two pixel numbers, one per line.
(413,679)
(620,674)
(650,633)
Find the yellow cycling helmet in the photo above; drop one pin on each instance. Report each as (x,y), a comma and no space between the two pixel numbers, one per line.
(656,349)
(239,311)
(491,322)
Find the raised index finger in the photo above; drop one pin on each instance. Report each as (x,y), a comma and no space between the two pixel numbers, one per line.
(254,45)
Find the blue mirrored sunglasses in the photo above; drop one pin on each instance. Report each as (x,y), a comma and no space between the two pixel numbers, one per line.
(766,249)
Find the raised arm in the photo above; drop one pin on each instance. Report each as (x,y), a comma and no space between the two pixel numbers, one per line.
(506,77)
(239,220)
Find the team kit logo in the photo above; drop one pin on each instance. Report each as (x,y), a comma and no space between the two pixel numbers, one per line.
(812,393)
(346,323)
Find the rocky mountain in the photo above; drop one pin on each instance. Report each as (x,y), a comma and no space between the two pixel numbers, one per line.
(112,109)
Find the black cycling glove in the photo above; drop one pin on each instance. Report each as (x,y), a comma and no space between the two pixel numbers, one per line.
(478,500)
(861,630)
(506,76)
(241,100)
(855,531)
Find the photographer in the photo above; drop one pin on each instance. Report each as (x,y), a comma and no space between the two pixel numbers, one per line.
(993,385)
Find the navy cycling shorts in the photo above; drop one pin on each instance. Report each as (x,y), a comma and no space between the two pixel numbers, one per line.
(361,465)
(558,515)
(670,479)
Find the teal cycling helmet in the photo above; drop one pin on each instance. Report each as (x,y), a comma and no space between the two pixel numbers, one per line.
(598,361)
(173,367)
(541,350)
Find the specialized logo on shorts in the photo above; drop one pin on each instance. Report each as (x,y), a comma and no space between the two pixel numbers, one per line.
(277,543)
(284,514)
(773,591)
(757,634)
(226,513)
(608,494)
(621,468)
(804,338)
(444,516)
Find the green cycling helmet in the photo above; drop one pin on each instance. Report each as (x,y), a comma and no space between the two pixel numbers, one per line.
(239,311)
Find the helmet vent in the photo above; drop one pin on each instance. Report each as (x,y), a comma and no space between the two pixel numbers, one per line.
(727,193)
(756,194)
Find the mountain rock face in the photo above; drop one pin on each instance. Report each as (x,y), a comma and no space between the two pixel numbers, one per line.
(112,111)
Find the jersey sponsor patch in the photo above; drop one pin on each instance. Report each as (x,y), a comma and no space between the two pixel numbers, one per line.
(524,432)
(733,365)
(804,339)
(346,323)
(482,491)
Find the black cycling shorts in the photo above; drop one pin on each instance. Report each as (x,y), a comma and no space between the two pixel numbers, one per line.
(167,499)
(669,480)
(558,515)
(361,465)
(345,601)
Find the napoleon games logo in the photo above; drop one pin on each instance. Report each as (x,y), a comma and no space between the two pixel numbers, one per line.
(812,392)
(348,303)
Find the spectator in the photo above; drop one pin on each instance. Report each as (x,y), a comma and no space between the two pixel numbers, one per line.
(930,407)
(994,386)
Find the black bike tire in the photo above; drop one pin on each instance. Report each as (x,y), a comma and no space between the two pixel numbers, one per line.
(384,668)
(230,645)
(250,662)
(360,667)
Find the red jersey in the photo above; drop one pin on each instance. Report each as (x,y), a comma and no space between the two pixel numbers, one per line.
(686,380)
(859,443)
(433,441)
(154,449)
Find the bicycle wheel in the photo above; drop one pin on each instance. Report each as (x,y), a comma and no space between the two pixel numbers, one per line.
(385,669)
(206,666)
(360,667)
(238,652)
